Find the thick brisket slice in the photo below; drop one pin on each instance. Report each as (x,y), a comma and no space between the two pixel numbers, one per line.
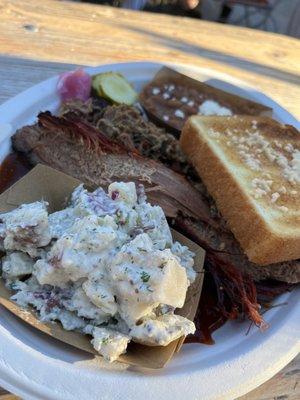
(80,150)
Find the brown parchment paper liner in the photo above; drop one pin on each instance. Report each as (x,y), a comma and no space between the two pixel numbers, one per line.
(238,104)
(55,187)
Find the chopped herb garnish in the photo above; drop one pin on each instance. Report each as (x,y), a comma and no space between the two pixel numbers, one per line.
(145,277)
(148,287)
(105,341)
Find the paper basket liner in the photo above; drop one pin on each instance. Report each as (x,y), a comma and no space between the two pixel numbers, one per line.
(55,187)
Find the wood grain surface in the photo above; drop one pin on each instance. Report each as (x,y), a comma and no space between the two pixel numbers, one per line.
(39,39)
(80,33)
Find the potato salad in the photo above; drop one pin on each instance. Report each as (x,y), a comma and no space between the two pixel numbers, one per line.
(106,266)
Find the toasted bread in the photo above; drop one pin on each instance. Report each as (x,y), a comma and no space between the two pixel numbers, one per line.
(171,97)
(251,167)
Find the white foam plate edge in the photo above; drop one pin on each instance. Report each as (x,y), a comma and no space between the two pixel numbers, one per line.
(221,374)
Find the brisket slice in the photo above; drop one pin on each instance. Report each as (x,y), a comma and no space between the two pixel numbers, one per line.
(127,125)
(78,149)
(229,251)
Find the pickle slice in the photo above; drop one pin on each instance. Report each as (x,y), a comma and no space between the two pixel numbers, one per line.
(114,87)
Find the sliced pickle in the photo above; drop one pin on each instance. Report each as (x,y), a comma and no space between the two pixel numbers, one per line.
(114,87)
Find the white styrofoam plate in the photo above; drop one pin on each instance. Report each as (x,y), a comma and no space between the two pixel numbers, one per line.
(35,366)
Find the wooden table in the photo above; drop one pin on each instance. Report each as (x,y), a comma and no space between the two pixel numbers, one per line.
(39,39)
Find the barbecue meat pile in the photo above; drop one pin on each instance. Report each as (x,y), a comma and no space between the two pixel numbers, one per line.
(115,144)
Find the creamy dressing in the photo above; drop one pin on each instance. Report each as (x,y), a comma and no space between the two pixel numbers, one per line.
(106,266)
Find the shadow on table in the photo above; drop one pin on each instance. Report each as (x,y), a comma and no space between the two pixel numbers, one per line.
(237,62)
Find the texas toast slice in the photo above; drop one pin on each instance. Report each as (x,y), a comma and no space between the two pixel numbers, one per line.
(251,167)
